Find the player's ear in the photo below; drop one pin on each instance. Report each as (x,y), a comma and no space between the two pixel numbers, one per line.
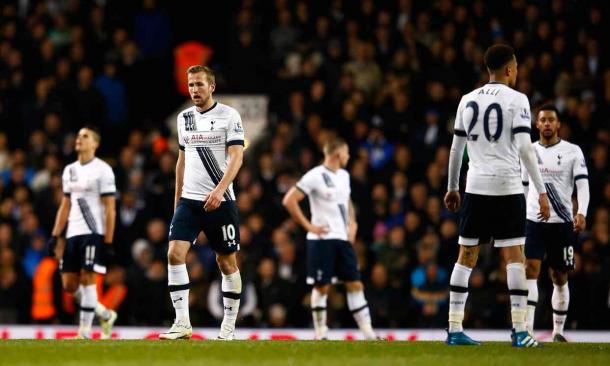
(212,88)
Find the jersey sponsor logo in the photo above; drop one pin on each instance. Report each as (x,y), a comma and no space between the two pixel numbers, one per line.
(198,138)
(189,121)
(550,171)
(525,114)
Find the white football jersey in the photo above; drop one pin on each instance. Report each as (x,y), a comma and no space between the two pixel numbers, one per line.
(329,194)
(561,165)
(489,117)
(205,137)
(86,184)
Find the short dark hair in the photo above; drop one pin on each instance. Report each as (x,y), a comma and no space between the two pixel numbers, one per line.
(96,132)
(209,73)
(498,56)
(549,107)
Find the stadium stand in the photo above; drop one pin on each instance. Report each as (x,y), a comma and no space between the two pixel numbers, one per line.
(385,75)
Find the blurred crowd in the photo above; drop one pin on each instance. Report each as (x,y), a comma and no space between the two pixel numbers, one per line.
(385,75)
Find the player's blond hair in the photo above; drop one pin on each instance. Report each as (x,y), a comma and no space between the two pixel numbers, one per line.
(333,144)
(209,73)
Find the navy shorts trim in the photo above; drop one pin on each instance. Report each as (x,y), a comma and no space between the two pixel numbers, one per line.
(84,252)
(498,218)
(330,260)
(221,226)
(556,241)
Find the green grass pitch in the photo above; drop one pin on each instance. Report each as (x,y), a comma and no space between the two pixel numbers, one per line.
(262,353)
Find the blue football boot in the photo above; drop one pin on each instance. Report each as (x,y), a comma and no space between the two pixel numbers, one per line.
(460,339)
(524,339)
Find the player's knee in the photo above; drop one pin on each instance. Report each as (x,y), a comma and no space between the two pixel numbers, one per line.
(532,271)
(354,286)
(175,257)
(559,278)
(323,290)
(513,254)
(468,256)
(70,286)
(226,265)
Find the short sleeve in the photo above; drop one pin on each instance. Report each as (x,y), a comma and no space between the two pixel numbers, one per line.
(579,169)
(107,184)
(522,119)
(65,181)
(458,126)
(235,130)
(179,123)
(307,183)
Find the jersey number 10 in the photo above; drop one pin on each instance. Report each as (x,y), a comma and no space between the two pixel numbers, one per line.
(228,232)
(475,118)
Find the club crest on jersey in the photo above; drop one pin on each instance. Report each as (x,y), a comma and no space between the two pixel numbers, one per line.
(73,176)
(212,125)
(559,159)
(189,121)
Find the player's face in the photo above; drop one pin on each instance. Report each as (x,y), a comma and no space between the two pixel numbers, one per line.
(200,89)
(343,153)
(85,141)
(512,72)
(548,124)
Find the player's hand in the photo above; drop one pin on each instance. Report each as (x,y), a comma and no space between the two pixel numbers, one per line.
(213,200)
(51,245)
(453,201)
(579,223)
(545,209)
(318,230)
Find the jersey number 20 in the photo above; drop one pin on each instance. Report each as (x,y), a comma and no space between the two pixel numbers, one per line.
(475,118)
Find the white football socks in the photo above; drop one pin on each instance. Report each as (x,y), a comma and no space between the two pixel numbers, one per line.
(87,309)
(101,311)
(560,301)
(178,283)
(457,296)
(231,293)
(318,312)
(532,301)
(517,288)
(360,310)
